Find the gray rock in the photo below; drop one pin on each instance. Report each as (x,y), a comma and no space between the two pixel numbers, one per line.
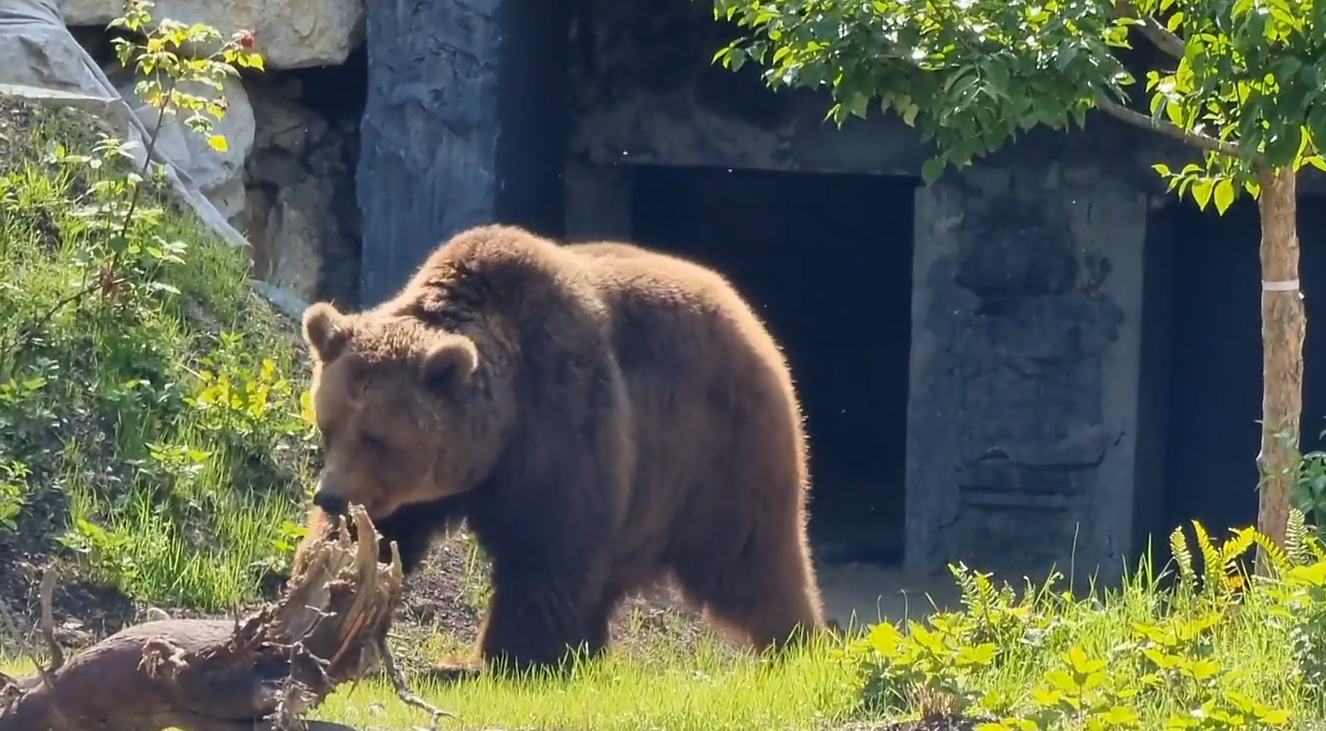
(290,34)
(428,160)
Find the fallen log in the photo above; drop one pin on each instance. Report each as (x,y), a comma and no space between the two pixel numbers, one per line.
(264,671)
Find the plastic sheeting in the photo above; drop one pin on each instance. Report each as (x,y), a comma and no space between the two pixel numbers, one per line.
(40,61)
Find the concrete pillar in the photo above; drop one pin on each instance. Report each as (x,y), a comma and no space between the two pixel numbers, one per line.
(465,123)
(1026,345)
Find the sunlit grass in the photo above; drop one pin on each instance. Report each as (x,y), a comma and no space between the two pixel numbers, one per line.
(104,391)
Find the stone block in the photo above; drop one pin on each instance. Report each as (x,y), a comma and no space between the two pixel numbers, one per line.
(1026,328)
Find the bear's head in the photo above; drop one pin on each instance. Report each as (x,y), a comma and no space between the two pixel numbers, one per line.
(406,411)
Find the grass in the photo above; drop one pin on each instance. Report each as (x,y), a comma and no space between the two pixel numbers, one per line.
(153,439)
(708,691)
(150,429)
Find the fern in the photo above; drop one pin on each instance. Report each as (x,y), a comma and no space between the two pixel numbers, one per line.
(1280,561)
(1213,567)
(1231,551)
(1303,544)
(1178,547)
(1295,536)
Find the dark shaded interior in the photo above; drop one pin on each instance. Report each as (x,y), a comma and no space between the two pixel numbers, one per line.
(534,82)
(826,260)
(1215,374)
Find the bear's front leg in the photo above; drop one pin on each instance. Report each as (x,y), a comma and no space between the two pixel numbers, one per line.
(540,618)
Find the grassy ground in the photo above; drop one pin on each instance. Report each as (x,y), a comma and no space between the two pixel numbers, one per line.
(149,428)
(153,447)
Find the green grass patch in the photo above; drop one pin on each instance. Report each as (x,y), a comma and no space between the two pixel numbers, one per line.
(659,688)
(150,411)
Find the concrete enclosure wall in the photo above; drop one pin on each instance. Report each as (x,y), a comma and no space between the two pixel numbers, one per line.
(465,123)
(1025,365)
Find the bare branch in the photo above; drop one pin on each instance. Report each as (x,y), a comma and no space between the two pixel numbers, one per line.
(1151,28)
(1169,129)
(403,691)
(45,594)
(213,675)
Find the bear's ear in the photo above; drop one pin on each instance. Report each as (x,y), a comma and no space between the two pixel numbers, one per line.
(325,330)
(449,362)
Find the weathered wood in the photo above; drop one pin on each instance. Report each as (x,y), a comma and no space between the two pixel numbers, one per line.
(264,671)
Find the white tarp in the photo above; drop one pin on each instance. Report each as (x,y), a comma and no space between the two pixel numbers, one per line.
(41,62)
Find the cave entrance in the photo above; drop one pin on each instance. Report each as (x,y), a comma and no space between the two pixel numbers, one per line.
(1215,362)
(826,261)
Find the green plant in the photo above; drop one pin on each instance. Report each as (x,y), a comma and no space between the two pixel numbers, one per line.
(13,492)
(1141,658)
(1308,495)
(112,204)
(246,396)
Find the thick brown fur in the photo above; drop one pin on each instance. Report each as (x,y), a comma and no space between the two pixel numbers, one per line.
(602,416)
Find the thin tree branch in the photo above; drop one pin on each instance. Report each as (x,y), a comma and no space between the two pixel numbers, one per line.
(45,594)
(1169,129)
(1158,34)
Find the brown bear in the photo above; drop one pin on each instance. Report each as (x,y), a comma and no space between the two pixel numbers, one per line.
(600,415)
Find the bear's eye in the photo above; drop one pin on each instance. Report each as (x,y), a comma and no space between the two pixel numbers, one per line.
(373,443)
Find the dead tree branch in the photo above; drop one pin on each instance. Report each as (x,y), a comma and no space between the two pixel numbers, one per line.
(265,671)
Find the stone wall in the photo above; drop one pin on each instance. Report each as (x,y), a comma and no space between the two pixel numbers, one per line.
(291,34)
(1027,324)
(286,178)
(464,124)
(301,212)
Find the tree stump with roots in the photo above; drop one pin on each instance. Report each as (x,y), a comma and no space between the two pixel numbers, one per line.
(261,672)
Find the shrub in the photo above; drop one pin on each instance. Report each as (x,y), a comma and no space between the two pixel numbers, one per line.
(1216,650)
(149,417)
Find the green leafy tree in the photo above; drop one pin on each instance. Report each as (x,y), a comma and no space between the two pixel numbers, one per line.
(1242,84)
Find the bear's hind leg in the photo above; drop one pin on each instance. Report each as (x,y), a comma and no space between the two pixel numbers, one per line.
(765,591)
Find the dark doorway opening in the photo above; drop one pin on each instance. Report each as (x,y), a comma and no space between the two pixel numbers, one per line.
(1215,378)
(826,260)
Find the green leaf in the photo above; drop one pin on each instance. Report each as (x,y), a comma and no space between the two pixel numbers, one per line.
(1063,681)
(931,170)
(1224,194)
(1201,191)
(859,105)
(996,77)
(218,143)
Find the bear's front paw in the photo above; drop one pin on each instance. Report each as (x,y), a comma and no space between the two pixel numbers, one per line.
(445,673)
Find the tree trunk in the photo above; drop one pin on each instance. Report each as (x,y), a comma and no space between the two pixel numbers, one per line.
(1283,325)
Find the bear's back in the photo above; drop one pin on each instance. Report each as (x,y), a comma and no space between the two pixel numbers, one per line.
(671,315)
(704,375)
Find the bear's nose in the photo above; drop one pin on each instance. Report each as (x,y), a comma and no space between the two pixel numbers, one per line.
(333,504)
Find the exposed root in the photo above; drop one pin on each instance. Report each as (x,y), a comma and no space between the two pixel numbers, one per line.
(264,671)
(407,696)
